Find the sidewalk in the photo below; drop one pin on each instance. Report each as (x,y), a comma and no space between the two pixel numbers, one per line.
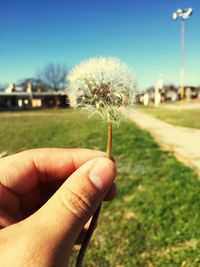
(184,142)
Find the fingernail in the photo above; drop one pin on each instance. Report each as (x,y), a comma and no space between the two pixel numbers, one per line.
(102,174)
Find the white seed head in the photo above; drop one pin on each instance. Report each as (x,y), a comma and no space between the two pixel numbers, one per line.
(103,85)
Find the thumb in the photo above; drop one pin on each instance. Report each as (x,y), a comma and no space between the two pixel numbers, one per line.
(68,210)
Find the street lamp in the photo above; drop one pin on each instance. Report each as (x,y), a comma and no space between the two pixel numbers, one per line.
(183,14)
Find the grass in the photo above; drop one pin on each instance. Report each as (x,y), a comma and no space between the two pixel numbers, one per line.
(154,221)
(182,117)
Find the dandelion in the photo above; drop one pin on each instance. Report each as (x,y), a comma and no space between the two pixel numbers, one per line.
(102,86)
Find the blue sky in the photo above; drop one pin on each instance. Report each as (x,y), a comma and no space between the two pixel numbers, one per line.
(141,33)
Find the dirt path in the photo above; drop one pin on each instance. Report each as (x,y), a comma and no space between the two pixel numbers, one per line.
(184,142)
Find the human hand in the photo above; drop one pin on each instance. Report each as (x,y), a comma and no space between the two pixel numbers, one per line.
(46,198)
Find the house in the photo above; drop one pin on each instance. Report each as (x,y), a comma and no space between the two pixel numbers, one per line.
(19,98)
(170,93)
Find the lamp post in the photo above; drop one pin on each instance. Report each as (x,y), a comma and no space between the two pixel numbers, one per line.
(157,95)
(183,14)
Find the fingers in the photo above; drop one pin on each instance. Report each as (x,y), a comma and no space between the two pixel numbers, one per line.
(22,172)
(111,193)
(83,233)
(5,219)
(66,213)
(8,201)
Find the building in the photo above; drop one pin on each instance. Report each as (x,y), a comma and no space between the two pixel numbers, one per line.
(170,93)
(18,98)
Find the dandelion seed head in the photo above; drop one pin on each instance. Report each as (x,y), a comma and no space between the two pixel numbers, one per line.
(102,85)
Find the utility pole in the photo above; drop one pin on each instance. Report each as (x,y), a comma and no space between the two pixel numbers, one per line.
(183,14)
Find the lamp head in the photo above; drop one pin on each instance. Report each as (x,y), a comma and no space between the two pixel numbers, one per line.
(179,12)
(187,13)
(175,16)
(184,14)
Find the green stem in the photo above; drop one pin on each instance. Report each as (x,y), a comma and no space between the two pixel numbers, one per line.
(79,262)
(109,138)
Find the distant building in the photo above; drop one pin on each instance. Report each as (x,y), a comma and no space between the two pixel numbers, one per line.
(18,97)
(170,93)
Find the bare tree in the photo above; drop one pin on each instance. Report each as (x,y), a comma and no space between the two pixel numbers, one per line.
(54,76)
(36,83)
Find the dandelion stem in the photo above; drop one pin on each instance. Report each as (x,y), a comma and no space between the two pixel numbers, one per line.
(109,138)
(79,262)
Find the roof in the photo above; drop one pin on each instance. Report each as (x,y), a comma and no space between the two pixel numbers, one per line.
(33,94)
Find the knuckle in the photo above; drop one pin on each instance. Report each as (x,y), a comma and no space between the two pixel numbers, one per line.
(79,204)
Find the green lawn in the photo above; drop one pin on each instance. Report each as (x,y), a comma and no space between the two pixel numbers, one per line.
(184,117)
(154,221)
